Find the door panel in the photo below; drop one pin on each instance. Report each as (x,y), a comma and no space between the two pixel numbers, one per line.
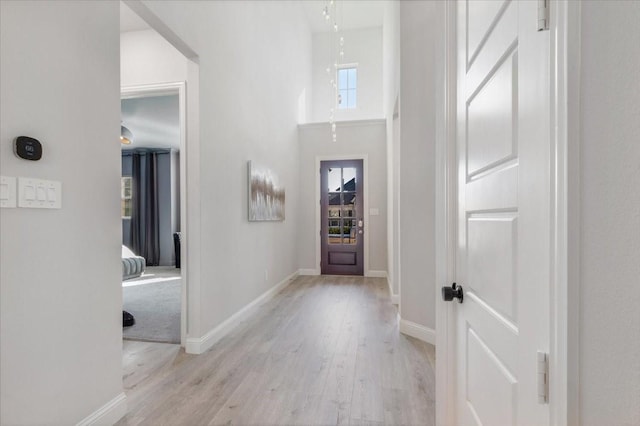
(342,218)
(490,125)
(503,227)
(491,255)
(494,407)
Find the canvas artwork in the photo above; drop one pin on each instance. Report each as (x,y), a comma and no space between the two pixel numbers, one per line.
(266,197)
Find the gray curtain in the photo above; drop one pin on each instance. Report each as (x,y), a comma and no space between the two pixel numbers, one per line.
(145,222)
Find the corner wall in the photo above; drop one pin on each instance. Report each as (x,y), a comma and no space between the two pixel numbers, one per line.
(610,209)
(390,103)
(60,293)
(417,164)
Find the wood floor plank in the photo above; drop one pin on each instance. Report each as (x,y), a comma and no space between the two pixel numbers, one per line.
(325,351)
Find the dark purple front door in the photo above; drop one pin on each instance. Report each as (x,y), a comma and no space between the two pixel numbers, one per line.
(342,216)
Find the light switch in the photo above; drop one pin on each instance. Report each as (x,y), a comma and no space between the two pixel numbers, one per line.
(51,195)
(7,192)
(374,212)
(29,193)
(39,194)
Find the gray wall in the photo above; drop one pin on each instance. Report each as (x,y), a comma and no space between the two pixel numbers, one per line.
(417,163)
(61,298)
(153,120)
(610,208)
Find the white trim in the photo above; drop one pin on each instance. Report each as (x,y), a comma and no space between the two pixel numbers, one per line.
(395,298)
(309,271)
(418,331)
(108,414)
(365,176)
(159,89)
(344,123)
(564,365)
(376,274)
(200,345)
(446,220)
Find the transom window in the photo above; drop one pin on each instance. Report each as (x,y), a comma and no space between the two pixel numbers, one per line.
(347,87)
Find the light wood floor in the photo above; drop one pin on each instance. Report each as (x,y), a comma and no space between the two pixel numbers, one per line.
(324,351)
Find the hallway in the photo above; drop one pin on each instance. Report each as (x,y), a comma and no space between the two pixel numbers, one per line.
(326,350)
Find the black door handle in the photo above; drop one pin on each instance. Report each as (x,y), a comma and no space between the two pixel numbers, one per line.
(453,292)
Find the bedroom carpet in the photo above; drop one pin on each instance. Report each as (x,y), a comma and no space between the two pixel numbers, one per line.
(155,304)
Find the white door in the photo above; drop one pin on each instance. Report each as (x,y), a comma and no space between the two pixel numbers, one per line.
(503,214)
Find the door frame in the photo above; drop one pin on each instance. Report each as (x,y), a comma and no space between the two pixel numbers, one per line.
(326,248)
(564,214)
(160,89)
(365,216)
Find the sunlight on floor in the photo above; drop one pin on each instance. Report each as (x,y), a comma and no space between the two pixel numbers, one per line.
(149,281)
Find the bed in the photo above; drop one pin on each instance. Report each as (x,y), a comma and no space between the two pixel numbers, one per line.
(132,266)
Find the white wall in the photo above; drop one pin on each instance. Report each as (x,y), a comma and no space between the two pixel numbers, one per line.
(358,138)
(148,58)
(361,46)
(61,299)
(391,93)
(253,70)
(610,210)
(417,163)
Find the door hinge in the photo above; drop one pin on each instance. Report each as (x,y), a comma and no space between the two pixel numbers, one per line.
(543,377)
(543,15)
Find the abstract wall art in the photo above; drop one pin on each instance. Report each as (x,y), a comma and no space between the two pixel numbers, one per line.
(266,196)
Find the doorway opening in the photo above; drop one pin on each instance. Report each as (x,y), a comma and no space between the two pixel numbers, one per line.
(158,67)
(342,217)
(152,122)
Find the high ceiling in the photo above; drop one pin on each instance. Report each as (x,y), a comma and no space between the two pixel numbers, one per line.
(352,14)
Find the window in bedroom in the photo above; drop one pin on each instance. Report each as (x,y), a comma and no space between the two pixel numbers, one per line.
(125,195)
(347,86)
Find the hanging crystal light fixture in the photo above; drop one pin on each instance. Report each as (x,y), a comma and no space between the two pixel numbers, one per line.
(330,13)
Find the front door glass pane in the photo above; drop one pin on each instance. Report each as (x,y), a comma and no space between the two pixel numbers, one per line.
(350,231)
(349,206)
(335,231)
(342,227)
(335,180)
(349,178)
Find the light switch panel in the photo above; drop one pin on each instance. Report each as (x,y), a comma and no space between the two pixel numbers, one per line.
(374,212)
(39,194)
(7,192)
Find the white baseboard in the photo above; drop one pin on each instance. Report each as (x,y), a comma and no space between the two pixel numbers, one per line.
(376,274)
(418,331)
(395,298)
(108,414)
(199,345)
(309,271)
